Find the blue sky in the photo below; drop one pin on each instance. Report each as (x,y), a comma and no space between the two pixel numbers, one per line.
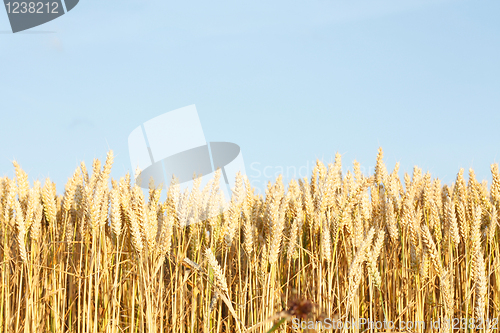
(289,81)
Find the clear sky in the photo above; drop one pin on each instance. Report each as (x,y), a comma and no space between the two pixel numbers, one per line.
(289,81)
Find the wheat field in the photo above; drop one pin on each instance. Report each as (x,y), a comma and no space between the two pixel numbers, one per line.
(105,257)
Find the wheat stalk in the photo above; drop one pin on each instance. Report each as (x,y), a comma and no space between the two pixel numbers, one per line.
(220,279)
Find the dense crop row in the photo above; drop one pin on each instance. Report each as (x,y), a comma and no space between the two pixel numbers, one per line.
(104,257)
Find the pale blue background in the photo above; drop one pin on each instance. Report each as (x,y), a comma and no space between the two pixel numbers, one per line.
(289,81)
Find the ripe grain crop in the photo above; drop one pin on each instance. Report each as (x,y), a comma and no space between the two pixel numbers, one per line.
(106,257)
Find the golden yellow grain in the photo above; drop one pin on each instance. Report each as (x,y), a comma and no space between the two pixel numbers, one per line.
(431,249)
(492,227)
(220,279)
(22,183)
(69,194)
(326,244)
(447,293)
(481,282)
(21,231)
(372,258)
(495,185)
(391,221)
(276,222)
(451,221)
(49,202)
(318,237)
(355,269)
(36,227)
(132,219)
(166,234)
(380,169)
(116,217)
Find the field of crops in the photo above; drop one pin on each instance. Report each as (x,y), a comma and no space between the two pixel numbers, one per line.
(105,257)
